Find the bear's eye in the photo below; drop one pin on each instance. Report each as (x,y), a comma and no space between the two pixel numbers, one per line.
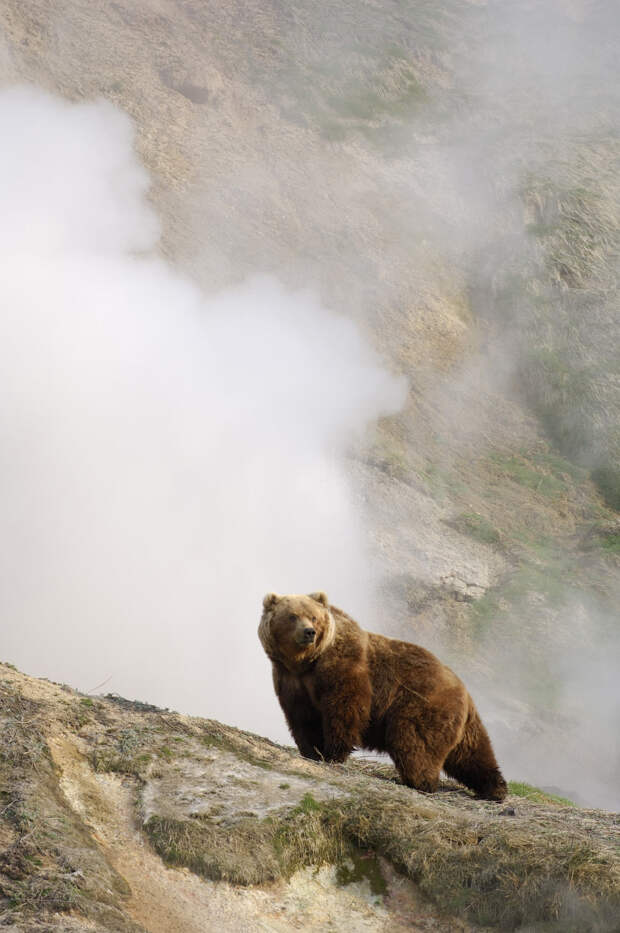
(314,620)
(292,617)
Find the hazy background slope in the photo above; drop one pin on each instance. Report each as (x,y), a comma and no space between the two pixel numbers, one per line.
(448,180)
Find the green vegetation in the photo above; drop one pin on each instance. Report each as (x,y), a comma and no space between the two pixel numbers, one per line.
(532,475)
(607,478)
(466,870)
(506,600)
(488,875)
(471,862)
(376,103)
(308,805)
(603,534)
(612,543)
(389,455)
(244,856)
(559,296)
(476,527)
(566,301)
(443,484)
(255,851)
(362,867)
(212,741)
(536,795)
(126,753)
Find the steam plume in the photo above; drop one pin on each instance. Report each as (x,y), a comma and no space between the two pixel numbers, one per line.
(167,457)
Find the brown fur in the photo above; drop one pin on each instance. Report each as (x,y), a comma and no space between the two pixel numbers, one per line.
(348,689)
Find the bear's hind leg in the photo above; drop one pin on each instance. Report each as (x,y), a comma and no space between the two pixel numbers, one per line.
(473,763)
(415,766)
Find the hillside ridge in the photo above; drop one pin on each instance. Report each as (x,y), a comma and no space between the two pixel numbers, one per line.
(118,816)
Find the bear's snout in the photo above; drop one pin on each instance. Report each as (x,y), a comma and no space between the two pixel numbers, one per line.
(309,634)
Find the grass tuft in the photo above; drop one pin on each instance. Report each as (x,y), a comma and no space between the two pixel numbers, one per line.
(476,527)
(536,795)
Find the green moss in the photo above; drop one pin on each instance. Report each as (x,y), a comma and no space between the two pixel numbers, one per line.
(476,527)
(612,543)
(389,455)
(534,477)
(608,481)
(308,804)
(536,795)
(361,867)
(212,741)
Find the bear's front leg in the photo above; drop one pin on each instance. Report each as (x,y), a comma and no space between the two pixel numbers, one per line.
(303,719)
(345,709)
(308,736)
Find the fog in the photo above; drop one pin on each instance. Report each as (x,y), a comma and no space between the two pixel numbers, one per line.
(166,458)
(521,187)
(169,456)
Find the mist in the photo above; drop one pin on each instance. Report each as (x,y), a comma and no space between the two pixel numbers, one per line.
(522,196)
(167,457)
(172,453)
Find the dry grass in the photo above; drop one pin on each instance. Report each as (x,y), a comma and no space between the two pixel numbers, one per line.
(51,864)
(513,865)
(498,872)
(491,872)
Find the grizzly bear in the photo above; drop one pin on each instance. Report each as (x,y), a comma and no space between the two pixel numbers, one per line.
(343,688)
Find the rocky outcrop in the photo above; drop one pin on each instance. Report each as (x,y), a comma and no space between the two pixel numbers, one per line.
(120,817)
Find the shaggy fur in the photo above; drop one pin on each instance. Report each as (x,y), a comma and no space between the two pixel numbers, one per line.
(343,688)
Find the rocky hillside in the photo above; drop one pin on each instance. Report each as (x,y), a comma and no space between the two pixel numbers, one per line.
(118,816)
(458,197)
(319,142)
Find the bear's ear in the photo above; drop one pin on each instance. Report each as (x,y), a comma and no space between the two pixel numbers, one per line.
(270,600)
(320,598)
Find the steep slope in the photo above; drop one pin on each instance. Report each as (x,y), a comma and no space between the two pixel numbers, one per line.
(106,804)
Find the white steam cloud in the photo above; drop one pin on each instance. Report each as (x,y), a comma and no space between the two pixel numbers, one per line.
(166,457)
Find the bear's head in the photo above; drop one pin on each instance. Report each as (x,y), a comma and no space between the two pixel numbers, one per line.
(296,629)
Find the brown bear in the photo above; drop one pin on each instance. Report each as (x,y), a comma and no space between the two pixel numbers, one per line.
(343,688)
